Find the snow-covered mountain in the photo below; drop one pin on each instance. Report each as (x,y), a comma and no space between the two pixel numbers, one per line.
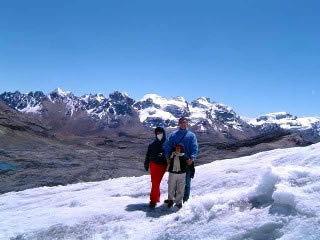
(267,196)
(29,102)
(153,110)
(94,104)
(286,121)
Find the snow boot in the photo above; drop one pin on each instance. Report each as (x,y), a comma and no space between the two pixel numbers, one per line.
(179,206)
(152,205)
(170,203)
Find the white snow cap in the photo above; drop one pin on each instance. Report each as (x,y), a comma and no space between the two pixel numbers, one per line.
(100,97)
(178,101)
(60,92)
(125,94)
(279,115)
(204,101)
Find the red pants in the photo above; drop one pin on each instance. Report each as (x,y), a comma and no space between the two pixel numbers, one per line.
(156,171)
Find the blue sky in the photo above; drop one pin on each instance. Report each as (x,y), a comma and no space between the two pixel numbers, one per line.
(256,56)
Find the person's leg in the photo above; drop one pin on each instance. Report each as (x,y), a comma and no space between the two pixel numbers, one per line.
(172,183)
(171,186)
(162,171)
(188,185)
(156,171)
(180,188)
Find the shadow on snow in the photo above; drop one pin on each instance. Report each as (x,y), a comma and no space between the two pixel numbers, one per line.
(158,212)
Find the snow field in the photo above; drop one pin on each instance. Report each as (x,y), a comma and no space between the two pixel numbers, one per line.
(267,196)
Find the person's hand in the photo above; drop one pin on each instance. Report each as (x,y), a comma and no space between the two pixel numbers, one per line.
(168,161)
(189,162)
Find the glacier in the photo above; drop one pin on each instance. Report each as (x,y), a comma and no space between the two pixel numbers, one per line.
(266,196)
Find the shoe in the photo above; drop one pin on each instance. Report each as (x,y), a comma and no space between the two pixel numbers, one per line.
(166,201)
(152,205)
(170,203)
(179,206)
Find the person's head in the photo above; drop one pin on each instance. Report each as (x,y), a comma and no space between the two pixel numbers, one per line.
(159,132)
(183,123)
(179,148)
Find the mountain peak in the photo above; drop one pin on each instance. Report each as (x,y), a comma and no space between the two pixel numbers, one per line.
(162,101)
(152,96)
(119,96)
(60,92)
(100,97)
(180,98)
(202,102)
(205,99)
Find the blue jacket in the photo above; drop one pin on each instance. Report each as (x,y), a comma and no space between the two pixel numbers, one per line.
(189,142)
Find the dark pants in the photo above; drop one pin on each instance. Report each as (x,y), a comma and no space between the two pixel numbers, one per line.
(188,185)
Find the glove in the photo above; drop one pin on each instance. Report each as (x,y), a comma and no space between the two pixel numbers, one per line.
(146,166)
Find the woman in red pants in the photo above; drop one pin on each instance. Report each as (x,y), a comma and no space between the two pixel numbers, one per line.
(156,162)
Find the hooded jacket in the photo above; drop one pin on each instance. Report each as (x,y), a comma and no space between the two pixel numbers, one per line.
(183,161)
(155,151)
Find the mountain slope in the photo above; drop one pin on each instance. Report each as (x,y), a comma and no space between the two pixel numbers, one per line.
(271,195)
(12,120)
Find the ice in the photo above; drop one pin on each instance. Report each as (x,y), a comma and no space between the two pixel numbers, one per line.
(266,196)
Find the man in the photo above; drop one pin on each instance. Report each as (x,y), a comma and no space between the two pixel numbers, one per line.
(189,140)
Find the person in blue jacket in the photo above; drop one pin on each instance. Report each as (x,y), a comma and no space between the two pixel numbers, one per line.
(189,140)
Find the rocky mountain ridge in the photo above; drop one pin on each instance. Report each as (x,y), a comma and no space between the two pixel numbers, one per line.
(205,116)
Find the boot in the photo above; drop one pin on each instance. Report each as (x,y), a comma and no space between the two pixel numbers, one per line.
(170,203)
(179,206)
(152,205)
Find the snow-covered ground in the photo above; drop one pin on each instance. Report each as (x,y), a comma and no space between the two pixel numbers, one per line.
(267,196)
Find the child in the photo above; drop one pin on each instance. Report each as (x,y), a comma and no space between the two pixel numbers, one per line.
(177,176)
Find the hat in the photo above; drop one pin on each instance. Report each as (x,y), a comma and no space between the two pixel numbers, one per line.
(180,146)
(158,130)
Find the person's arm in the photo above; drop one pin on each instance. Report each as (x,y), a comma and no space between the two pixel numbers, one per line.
(147,160)
(194,148)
